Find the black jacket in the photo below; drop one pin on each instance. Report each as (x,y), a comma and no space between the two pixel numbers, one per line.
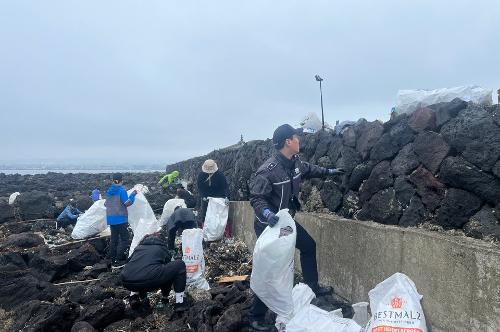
(188,198)
(146,261)
(180,216)
(277,182)
(215,187)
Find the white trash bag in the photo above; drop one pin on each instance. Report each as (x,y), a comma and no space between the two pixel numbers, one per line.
(169,208)
(395,306)
(215,219)
(92,222)
(13,196)
(141,217)
(309,318)
(192,255)
(408,101)
(272,272)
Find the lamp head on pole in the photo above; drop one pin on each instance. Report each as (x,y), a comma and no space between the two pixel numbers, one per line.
(318,78)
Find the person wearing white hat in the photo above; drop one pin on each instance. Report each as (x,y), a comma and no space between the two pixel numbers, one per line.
(211,183)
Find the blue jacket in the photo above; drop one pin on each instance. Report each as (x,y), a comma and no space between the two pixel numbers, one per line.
(95,194)
(116,204)
(70,213)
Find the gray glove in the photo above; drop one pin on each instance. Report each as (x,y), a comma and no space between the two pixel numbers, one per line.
(336,171)
(271,218)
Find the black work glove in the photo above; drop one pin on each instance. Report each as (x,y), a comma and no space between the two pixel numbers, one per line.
(336,171)
(271,218)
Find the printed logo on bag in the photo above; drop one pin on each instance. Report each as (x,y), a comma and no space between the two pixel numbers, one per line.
(192,268)
(187,250)
(397,302)
(285,231)
(297,170)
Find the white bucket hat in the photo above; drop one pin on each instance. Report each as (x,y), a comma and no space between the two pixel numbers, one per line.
(209,166)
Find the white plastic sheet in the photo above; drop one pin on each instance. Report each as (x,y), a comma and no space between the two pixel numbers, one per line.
(169,208)
(408,101)
(395,306)
(192,255)
(309,318)
(215,219)
(92,222)
(13,196)
(311,123)
(141,217)
(272,273)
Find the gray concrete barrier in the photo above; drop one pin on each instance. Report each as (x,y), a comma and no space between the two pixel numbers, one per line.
(459,277)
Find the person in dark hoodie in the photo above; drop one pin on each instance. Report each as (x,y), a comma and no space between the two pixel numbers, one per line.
(181,219)
(211,183)
(117,201)
(150,268)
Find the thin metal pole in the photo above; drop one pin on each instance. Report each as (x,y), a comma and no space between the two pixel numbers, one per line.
(322,114)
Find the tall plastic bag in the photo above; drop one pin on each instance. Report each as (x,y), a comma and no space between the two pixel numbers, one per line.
(309,318)
(13,196)
(192,255)
(272,273)
(215,219)
(395,306)
(141,217)
(408,101)
(169,208)
(92,222)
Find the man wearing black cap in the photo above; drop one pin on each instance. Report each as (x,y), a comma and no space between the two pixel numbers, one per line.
(117,201)
(276,186)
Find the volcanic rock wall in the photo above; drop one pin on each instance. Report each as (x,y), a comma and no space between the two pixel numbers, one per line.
(438,165)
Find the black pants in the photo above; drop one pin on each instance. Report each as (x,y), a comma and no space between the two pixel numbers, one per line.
(173,232)
(172,273)
(307,247)
(203,211)
(119,241)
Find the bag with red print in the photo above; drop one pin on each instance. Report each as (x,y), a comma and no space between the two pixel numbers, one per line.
(395,306)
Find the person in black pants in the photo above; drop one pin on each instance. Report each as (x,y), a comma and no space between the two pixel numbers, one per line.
(211,183)
(181,219)
(150,268)
(117,201)
(275,186)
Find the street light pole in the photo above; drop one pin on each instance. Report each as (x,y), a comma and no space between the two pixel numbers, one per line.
(319,79)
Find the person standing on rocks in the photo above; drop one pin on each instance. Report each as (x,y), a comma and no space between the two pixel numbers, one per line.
(96,194)
(150,268)
(275,186)
(117,201)
(211,183)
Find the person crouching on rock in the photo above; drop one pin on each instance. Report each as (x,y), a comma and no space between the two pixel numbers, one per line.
(150,268)
(117,201)
(68,215)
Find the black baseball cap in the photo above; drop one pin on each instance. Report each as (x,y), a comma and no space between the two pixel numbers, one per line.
(117,177)
(282,133)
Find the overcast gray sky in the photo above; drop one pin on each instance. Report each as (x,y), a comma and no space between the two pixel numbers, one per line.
(167,80)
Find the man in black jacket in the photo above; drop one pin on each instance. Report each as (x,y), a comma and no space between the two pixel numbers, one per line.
(150,268)
(276,186)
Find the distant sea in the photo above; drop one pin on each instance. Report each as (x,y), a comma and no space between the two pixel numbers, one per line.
(67,171)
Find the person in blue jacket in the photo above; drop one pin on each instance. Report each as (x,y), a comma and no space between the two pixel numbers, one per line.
(117,201)
(68,215)
(96,194)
